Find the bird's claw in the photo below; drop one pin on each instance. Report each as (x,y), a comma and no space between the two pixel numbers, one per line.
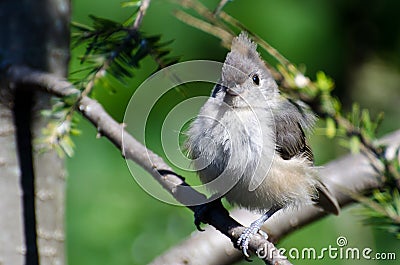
(254,228)
(244,239)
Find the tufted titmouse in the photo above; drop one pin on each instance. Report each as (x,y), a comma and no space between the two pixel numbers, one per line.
(248,142)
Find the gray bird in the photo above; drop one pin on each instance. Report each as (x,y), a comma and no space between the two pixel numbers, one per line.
(248,142)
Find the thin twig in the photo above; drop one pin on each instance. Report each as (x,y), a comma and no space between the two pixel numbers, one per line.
(219,32)
(135,151)
(215,27)
(204,12)
(220,6)
(271,50)
(218,28)
(142,12)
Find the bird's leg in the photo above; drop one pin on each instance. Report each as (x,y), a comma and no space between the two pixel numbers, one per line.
(254,228)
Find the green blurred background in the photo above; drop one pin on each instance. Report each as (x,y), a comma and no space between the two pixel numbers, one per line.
(111,220)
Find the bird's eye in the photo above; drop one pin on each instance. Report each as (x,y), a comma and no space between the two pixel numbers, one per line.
(256,79)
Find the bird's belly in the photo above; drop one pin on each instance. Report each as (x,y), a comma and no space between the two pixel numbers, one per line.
(287,183)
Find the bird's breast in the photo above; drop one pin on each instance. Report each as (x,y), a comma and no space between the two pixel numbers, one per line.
(234,145)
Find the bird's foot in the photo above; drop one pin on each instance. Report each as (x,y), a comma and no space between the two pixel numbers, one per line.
(248,233)
(254,228)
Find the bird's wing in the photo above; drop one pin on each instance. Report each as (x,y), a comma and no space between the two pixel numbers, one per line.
(292,142)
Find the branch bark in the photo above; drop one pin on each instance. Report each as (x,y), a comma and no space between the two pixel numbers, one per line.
(34,33)
(11,221)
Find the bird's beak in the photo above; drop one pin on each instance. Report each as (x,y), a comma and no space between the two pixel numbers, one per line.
(235,91)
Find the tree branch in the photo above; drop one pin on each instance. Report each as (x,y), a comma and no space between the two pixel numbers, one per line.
(336,175)
(135,151)
(352,171)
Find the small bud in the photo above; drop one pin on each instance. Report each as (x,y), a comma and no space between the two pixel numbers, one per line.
(301,81)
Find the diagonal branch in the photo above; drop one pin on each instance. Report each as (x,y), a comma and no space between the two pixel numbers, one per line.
(135,151)
(353,172)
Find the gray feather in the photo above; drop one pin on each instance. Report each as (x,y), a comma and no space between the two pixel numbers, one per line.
(290,137)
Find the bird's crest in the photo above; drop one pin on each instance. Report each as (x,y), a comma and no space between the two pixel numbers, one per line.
(242,59)
(243,45)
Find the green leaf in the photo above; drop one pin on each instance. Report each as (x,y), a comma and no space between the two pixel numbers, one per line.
(132,3)
(67,146)
(75,132)
(80,26)
(355,115)
(366,120)
(46,113)
(330,128)
(59,151)
(354,144)
(396,201)
(104,23)
(324,82)
(337,106)
(71,99)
